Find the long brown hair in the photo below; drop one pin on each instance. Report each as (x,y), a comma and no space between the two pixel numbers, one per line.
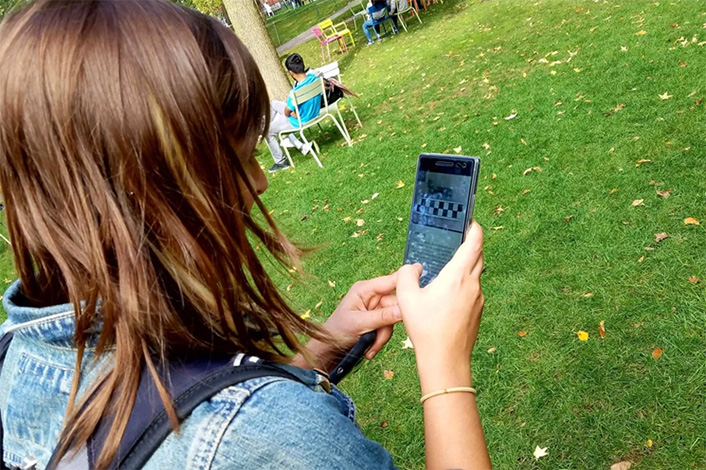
(124,131)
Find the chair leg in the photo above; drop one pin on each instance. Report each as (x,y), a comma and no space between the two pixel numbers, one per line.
(354,112)
(343,124)
(340,129)
(328,48)
(403,24)
(351,36)
(416,12)
(323,57)
(313,145)
(286,150)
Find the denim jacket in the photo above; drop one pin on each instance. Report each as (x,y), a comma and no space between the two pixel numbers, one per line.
(263,423)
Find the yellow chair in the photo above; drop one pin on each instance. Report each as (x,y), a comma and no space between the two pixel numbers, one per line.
(330,30)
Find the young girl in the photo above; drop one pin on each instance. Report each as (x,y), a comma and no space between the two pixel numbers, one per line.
(127,131)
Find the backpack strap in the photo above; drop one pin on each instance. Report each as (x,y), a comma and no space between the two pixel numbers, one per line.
(4,346)
(189,382)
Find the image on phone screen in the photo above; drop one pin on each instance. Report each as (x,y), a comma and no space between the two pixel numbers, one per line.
(442,207)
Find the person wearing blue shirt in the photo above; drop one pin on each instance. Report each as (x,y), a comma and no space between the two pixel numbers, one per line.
(283,117)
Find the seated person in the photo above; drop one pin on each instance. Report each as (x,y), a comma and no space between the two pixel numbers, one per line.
(283,117)
(380,9)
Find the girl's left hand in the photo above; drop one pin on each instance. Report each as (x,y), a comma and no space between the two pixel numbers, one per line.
(368,305)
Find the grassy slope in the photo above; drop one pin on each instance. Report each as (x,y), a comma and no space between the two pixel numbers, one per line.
(590,403)
(433,89)
(291,23)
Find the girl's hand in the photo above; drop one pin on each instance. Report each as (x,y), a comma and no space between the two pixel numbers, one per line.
(368,305)
(442,319)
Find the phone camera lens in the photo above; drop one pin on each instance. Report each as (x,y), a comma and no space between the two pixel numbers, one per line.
(458,165)
(464,165)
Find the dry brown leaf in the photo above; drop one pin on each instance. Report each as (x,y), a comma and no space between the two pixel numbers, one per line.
(694,279)
(498,211)
(660,236)
(567,219)
(499,227)
(601,328)
(641,259)
(347,219)
(526,191)
(492,350)
(365,201)
(332,283)
(321,302)
(657,353)
(527,172)
(638,202)
(399,184)
(383,425)
(638,324)
(624,465)
(691,221)
(360,222)
(588,294)
(523,141)
(388,374)
(379,237)
(457,149)
(640,162)
(664,194)
(665,96)
(522,334)
(407,344)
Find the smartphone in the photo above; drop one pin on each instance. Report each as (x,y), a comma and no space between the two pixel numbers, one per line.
(442,209)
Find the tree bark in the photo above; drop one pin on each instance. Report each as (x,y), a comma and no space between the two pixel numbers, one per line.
(248,24)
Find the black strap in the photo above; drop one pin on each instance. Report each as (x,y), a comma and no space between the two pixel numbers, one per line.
(190,383)
(4,346)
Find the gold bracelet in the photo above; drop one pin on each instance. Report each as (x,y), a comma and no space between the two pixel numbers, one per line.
(447,390)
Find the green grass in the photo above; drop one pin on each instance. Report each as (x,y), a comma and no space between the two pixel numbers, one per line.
(470,65)
(449,83)
(290,23)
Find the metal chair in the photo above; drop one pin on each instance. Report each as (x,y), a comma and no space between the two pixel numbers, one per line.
(333,71)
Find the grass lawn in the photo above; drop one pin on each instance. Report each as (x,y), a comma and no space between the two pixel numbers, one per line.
(574,250)
(291,23)
(585,81)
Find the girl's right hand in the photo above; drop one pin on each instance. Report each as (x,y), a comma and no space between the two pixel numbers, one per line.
(442,319)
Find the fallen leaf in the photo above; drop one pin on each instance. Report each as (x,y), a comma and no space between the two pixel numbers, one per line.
(379,237)
(383,425)
(365,201)
(682,63)
(388,374)
(623,49)
(374,196)
(582,335)
(499,227)
(523,141)
(613,191)
(526,191)
(347,219)
(486,146)
(527,172)
(694,279)
(492,350)
(638,324)
(399,219)
(660,236)
(657,353)
(665,96)
(649,442)
(407,344)
(619,107)
(624,465)
(424,145)
(641,259)
(577,70)
(567,219)
(512,116)
(457,149)
(691,221)
(360,222)
(601,328)
(289,287)
(498,211)
(539,452)
(321,302)
(522,334)
(332,283)
(638,202)
(588,294)
(664,194)
(640,162)
(641,33)
(306,315)
(400,184)
(494,176)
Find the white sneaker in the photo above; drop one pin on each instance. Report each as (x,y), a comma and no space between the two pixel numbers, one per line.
(306,148)
(287,143)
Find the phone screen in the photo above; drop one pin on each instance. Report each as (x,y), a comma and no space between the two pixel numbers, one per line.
(442,207)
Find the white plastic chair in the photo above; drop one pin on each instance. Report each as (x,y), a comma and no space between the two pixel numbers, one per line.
(301,96)
(409,8)
(333,71)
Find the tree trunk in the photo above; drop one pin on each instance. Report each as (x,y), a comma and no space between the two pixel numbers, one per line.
(249,26)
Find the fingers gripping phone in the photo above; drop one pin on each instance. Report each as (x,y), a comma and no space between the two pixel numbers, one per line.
(442,209)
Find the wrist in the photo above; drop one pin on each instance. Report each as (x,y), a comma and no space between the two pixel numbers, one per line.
(438,372)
